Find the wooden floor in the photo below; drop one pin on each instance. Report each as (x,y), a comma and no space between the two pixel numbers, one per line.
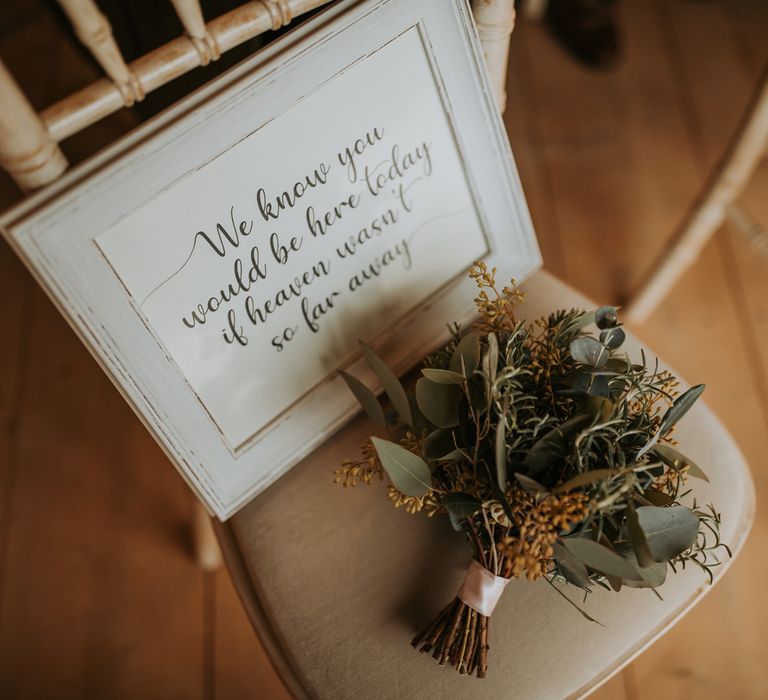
(99,597)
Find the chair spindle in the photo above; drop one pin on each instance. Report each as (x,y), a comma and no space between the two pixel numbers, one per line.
(95,32)
(27,151)
(191,16)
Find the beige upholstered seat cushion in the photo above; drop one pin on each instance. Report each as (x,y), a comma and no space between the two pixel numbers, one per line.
(337,581)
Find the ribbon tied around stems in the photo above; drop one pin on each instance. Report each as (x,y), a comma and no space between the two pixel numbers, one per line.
(482,589)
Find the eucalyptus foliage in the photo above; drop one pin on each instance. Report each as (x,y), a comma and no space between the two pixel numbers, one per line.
(549,448)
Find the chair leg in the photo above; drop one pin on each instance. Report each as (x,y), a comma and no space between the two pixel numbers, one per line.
(207,552)
(709,211)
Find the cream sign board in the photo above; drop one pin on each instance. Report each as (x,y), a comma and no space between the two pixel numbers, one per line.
(223,262)
(254,271)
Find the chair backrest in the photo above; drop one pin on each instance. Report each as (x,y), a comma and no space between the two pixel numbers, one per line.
(29,141)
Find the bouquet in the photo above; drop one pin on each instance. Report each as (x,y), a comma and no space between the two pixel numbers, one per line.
(549,449)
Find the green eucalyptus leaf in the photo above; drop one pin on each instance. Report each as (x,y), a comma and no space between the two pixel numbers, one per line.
(572,568)
(675,459)
(606,317)
(439,444)
(438,402)
(637,538)
(443,376)
(530,485)
(651,576)
(598,557)
(658,498)
(598,386)
(679,408)
(581,321)
(467,350)
(460,506)
(501,455)
(392,386)
(586,478)
(409,472)
(578,379)
(600,407)
(613,338)
(551,448)
(366,397)
(668,531)
(620,365)
(418,422)
(589,351)
(674,413)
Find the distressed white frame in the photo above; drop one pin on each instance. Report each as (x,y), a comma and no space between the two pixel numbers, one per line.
(54,230)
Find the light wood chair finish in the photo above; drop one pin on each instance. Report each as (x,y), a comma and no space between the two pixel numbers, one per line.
(28,142)
(94,31)
(27,150)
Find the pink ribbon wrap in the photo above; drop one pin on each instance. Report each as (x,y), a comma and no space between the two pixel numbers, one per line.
(482,589)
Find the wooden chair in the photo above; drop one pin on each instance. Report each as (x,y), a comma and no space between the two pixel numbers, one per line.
(336,585)
(710,209)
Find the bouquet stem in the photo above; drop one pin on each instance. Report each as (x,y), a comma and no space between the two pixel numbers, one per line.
(458,636)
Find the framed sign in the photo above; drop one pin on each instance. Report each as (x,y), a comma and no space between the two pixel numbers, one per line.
(223,261)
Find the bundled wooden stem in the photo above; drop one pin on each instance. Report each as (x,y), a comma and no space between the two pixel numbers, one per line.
(458,636)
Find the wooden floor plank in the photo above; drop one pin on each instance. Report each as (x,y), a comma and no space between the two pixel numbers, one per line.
(101,596)
(716,652)
(14,371)
(613,689)
(750,23)
(101,599)
(522,128)
(242,670)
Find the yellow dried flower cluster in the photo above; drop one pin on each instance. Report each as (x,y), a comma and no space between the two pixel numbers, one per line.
(409,442)
(427,503)
(462,480)
(365,470)
(537,526)
(496,310)
(544,355)
(666,382)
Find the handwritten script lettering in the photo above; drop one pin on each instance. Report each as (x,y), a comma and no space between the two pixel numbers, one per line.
(263,284)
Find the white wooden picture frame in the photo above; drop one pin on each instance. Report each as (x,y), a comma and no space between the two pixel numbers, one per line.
(376,119)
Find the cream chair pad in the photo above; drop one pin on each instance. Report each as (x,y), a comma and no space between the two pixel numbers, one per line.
(337,581)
